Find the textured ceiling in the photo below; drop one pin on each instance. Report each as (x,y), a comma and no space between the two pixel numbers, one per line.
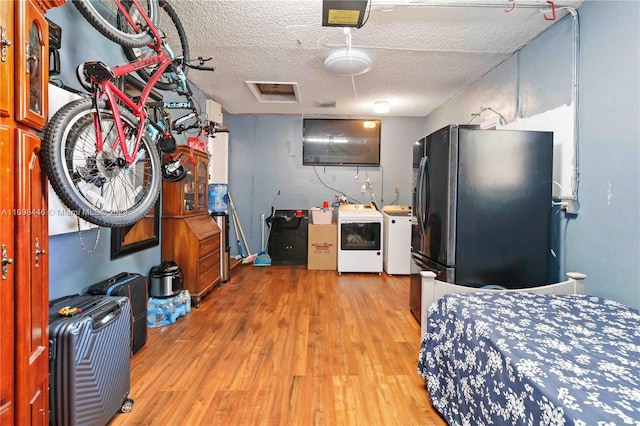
(422,53)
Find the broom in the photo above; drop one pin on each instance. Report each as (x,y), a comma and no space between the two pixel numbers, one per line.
(263,258)
(250,257)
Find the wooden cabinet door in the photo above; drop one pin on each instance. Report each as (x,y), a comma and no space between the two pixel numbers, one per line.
(7,49)
(7,282)
(189,195)
(189,189)
(202,186)
(7,237)
(32,66)
(32,270)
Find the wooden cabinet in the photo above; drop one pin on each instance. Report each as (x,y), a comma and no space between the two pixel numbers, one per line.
(24,290)
(188,196)
(7,281)
(193,242)
(190,237)
(7,40)
(32,284)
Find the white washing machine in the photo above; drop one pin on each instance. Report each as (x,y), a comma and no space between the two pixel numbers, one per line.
(397,239)
(360,238)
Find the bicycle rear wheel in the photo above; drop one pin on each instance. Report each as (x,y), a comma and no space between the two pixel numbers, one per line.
(173,33)
(105,17)
(98,186)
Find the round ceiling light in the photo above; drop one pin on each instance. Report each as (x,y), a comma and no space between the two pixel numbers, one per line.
(381,107)
(348,62)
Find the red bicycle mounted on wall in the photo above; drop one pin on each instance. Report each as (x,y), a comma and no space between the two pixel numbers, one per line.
(102,153)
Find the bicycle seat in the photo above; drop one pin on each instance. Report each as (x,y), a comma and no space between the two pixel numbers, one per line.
(99,70)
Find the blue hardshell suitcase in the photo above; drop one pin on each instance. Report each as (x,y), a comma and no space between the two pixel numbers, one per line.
(89,355)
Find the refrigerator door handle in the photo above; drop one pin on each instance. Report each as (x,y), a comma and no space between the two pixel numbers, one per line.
(420,211)
(427,192)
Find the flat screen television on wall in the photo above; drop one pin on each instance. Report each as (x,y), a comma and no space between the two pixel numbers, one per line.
(340,142)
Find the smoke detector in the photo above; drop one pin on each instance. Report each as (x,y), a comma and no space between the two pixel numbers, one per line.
(348,62)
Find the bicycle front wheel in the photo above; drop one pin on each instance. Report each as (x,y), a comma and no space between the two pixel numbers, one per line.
(108,19)
(97,185)
(172,32)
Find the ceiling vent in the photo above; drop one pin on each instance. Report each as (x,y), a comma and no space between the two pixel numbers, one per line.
(274,92)
(326,104)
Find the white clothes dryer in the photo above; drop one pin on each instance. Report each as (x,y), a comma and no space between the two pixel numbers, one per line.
(360,238)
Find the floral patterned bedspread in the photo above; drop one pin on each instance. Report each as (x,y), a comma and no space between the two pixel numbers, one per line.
(529,359)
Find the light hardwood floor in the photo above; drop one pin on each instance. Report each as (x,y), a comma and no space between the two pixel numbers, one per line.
(281,345)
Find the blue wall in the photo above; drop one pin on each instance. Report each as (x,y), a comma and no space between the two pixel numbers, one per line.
(74,263)
(266,157)
(603,240)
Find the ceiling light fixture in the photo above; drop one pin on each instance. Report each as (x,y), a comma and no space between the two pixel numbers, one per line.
(348,62)
(381,107)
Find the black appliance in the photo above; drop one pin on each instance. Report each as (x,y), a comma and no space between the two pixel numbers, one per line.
(482,204)
(340,142)
(343,13)
(165,280)
(222,220)
(289,237)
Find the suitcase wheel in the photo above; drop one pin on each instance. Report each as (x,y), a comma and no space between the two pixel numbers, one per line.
(127,405)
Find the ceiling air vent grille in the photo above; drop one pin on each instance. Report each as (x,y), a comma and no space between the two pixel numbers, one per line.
(274,92)
(326,104)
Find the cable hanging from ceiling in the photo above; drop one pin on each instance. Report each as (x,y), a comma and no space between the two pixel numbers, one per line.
(347,32)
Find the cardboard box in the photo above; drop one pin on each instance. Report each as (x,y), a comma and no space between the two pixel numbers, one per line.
(323,247)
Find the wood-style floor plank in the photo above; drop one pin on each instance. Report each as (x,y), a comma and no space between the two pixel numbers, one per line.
(281,345)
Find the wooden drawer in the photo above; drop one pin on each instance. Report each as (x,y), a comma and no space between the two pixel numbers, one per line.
(209,245)
(208,262)
(210,277)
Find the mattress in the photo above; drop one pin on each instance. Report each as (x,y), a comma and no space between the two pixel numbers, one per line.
(522,358)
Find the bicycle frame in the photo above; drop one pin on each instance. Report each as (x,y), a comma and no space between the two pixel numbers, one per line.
(107,88)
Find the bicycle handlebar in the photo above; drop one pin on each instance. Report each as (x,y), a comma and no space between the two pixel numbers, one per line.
(213,127)
(200,67)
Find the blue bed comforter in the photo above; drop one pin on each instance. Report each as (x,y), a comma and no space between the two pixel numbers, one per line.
(528,359)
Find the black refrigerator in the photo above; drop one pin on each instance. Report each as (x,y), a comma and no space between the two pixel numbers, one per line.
(482,202)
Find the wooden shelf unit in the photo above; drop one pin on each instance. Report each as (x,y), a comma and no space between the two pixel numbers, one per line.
(24,236)
(190,236)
